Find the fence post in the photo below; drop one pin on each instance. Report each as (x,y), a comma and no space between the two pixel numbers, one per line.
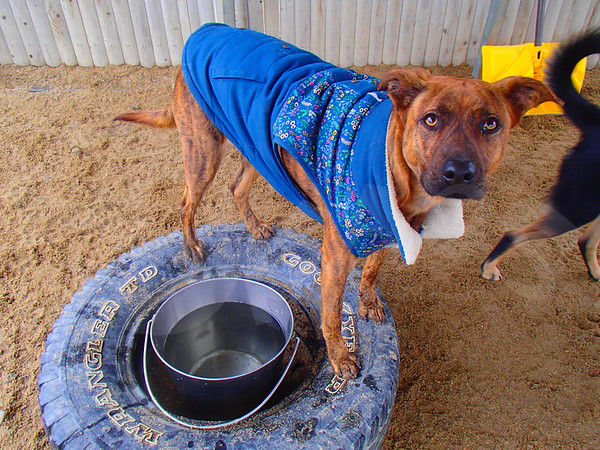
(240,13)
(184,19)
(224,11)
(302,25)
(271,17)
(41,24)
(255,15)
(5,56)
(493,26)
(332,31)
(449,36)
(126,32)
(141,30)
(362,35)
(347,32)
(194,15)
(28,35)
(378,18)
(207,12)
(481,13)
(108,26)
(58,24)
(419,34)
(77,33)
(592,60)
(434,35)
(287,21)
(463,32)
(158,34)
(170,13)
(91,26)
(390,36)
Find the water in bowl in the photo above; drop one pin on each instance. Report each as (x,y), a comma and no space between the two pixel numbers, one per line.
(223,340)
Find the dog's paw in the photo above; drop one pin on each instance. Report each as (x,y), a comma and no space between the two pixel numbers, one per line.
(346,365)
(490,272)
(590,259)
(193,251)
(261,231)
(370,307)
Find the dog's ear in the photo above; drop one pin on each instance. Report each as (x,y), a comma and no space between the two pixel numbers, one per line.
(522,94)
(403,85)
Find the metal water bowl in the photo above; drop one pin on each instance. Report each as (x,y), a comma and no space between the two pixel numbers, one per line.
(222,342)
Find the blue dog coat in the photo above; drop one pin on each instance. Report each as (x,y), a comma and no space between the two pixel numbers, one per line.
(263,93)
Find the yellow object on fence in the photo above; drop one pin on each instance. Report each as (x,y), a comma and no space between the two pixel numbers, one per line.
(527,60)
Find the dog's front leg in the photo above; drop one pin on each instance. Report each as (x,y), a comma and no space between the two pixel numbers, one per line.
(370,307)
(336,263)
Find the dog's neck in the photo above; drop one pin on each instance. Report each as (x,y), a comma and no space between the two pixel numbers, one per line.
(412,199)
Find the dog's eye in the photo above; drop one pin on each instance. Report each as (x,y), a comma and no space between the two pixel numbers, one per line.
(431,120)
(490,125)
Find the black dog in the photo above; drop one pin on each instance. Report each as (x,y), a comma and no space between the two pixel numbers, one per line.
(575,198)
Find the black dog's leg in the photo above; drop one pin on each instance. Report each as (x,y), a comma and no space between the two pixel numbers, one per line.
(549,224)
(588,245)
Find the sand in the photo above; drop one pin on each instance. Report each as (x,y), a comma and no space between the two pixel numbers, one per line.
(513,363)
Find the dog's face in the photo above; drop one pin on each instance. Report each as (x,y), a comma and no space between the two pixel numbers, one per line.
(455,130)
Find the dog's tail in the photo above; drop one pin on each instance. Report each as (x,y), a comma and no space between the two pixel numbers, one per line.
(158,118)
(582,112)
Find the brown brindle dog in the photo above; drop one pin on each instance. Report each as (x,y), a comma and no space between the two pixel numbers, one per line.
(447,134)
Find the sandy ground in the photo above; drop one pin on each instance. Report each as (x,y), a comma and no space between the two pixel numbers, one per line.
(514,363)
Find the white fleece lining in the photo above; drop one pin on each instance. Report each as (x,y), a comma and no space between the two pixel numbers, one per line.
(411,240)
(444,220)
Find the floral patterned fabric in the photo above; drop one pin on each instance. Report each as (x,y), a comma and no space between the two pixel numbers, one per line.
(318,124)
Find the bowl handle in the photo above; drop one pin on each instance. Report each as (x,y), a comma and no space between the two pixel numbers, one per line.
(211,425)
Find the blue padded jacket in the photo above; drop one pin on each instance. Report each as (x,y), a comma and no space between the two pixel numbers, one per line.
(263,93)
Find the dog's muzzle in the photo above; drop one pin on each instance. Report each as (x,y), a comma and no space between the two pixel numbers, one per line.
(459,178)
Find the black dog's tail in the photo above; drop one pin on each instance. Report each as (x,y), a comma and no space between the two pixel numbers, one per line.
(581,112)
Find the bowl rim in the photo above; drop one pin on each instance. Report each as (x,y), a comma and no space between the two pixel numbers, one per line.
(206,379)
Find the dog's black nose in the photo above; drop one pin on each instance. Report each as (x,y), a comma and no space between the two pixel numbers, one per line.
(459,171)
